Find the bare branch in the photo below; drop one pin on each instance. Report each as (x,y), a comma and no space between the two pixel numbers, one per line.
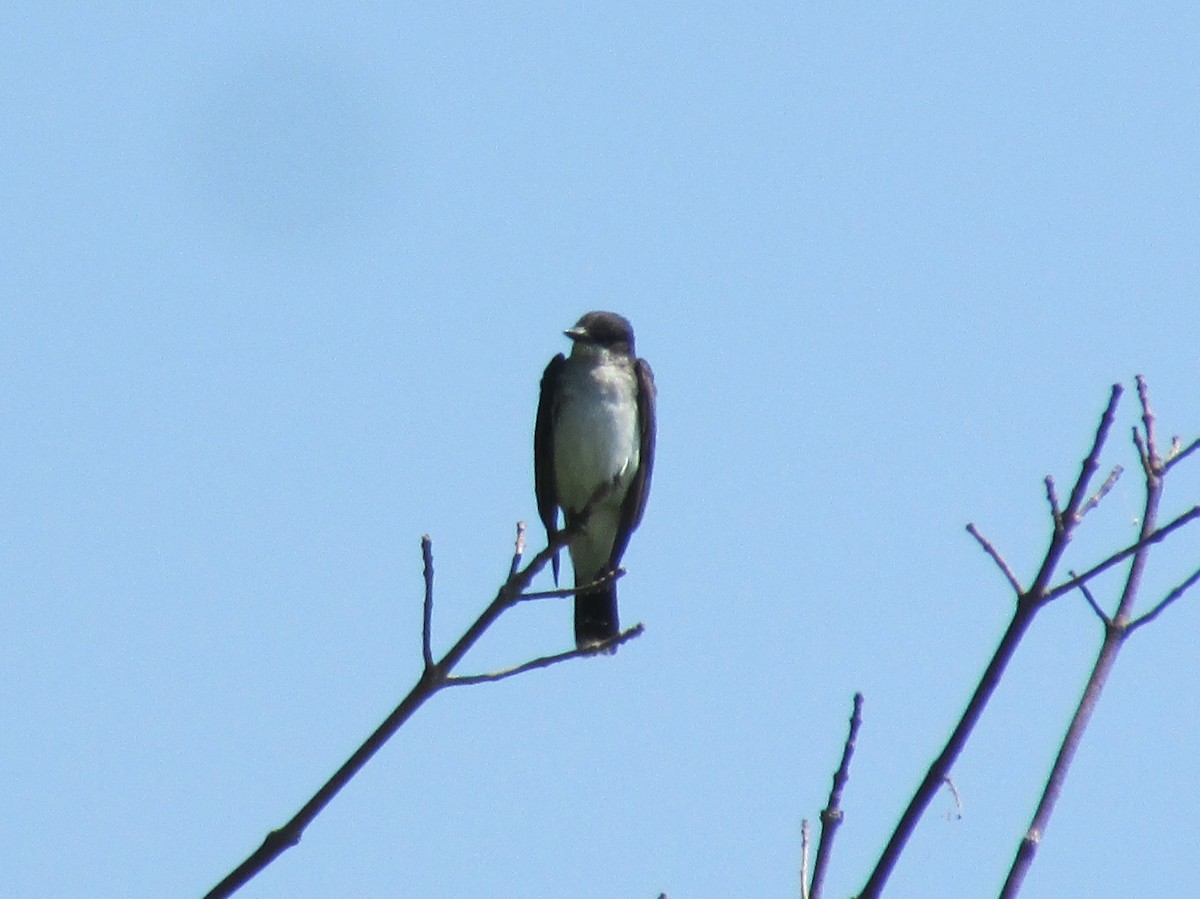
(1028,604)
(546,661)
(1070,517)
(1115,558)
(832,814)
(1116,631)
(995,554)
(434,677)
(1164,602)
(1031,842)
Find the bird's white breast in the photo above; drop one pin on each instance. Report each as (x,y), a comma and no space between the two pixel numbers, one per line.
(595,433)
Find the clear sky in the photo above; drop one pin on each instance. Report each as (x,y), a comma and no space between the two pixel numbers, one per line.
(277,284)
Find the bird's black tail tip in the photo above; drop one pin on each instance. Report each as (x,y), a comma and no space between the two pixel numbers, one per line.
(596,616)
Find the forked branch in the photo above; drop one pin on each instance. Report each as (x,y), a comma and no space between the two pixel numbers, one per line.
(1118,627)
(434,677)
(1030,600)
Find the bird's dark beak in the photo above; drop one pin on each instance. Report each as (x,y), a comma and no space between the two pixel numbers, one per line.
(576,333)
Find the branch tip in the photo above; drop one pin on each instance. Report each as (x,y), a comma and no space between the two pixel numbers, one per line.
(832,815)
(518,550)
(1092,461)
(996,557)
(1147,419)
(1052,499)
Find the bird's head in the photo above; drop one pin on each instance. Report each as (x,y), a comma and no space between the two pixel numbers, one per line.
(604,330)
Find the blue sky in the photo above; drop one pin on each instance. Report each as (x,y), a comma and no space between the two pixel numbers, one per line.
(279,282)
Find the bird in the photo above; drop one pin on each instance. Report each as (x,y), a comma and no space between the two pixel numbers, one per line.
(594,439)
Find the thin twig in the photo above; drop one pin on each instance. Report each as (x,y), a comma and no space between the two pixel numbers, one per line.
(562,592)
(518,549)
(1087,594)
(427,617)
(1142,451)
(1052,499)
(557,593)
(804,849)
(1108,485)
(1177,455)
(1148,423)
(832,814)
(1164,602)
(958,804)
(996,557)
(546,661)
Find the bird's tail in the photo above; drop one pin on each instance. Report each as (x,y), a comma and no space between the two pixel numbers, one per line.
(596,615)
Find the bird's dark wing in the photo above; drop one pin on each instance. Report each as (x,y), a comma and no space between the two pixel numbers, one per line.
(543,453)
(639,488)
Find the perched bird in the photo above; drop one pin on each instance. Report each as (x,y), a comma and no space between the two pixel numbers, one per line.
(595,429)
